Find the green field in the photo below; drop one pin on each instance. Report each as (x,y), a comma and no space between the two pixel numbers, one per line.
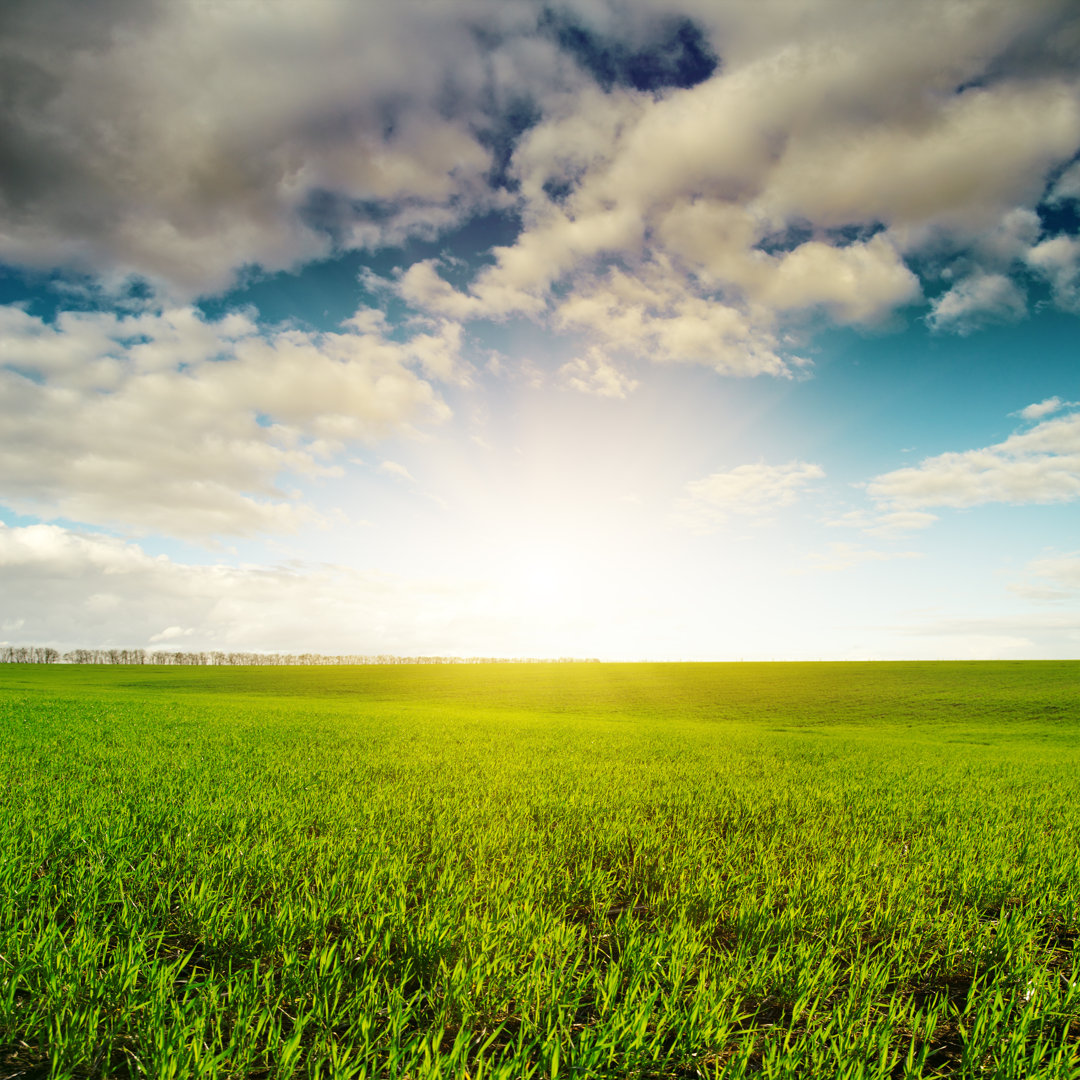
(779,870)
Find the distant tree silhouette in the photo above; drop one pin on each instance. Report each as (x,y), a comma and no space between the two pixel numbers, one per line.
(43,654)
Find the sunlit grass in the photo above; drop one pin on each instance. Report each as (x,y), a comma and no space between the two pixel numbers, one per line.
(576,870)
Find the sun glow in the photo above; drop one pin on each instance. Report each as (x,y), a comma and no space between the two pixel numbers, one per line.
(541,576)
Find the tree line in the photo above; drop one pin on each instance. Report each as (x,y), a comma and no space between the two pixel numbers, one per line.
(39,654)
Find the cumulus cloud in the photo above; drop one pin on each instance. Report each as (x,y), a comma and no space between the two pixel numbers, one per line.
(1039,465)
(656,316)
(168,422)
(182,142)
(773,160)
(594,373)
(975,301)
(800,176)
(745,490)
(1058,260)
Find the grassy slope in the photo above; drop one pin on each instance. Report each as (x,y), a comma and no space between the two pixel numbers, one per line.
(674,870)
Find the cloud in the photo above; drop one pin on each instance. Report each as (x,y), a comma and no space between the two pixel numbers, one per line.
(1039,636)
(843,556)
(172,423)
(773,162)
(746,490)
(1056,577)
(975,301)
(172,633)
(1064,570)
(1044,408)
(884,524)
(1040,465)
(67,588)
(183,143)
(654,315)
(594,373)
(801,175)
(1058,260)
(70,588)
(1067,185)
(400,471)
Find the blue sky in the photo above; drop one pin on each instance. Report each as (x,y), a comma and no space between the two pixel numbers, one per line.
(634,330)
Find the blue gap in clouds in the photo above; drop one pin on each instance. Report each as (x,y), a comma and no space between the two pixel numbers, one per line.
(46,293)
(501,137)
(318,295)
(680,57)
(787,239)
(928,392)
(1059,218)
(799,232)
(321,295)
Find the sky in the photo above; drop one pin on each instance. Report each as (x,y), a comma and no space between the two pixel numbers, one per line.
(626,329)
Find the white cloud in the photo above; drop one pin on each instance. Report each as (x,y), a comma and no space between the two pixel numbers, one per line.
(171,423)
(976,300)
(393,468)
(745,490)
(1043,408)
(171,633)
(884,524)
(939,161)
(1025,636)
(859,283)
(843,556)
(184,143)
(1061,569)
(1010,239)
(1068,184)
(1058,260)
(1040,465)
(71,589)
(654,315)
(594,373)
(1053,577)
(732,206)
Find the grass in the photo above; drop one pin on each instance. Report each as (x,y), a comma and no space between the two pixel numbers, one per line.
(774,870)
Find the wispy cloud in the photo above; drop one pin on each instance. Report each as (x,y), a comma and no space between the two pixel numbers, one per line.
(594,373)
(1039,465)
(393,468)
(1041,634)
(843,556)
(746,490)
(889,523)
(1052,577)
